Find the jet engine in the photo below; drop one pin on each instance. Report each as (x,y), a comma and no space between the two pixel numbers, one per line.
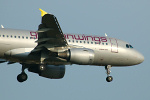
(81,56)
(51,71)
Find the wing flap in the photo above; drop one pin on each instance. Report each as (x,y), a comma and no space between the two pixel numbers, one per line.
(44,39)
(44,30)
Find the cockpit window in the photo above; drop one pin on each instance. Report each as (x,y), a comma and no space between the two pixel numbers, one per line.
(128,46)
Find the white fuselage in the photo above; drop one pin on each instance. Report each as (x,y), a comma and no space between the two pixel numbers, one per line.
(16,45)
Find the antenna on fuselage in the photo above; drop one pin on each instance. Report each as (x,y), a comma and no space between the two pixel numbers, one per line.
(2,26)
(105,34)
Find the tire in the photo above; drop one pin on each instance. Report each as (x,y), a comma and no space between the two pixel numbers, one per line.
(109,78)
(22,77)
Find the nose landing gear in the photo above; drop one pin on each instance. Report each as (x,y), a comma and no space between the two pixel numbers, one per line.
(108,78)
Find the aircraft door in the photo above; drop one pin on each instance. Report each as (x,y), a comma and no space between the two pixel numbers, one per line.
(114,45)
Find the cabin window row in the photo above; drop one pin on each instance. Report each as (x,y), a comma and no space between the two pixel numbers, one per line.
(86,42)
(23,37)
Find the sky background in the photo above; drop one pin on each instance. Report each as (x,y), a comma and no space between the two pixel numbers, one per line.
(128,20)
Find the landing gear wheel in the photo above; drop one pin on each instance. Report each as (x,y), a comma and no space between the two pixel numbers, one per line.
(22,77)
(42,67)
(109,78)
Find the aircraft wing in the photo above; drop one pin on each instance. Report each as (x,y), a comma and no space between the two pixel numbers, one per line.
(50,35)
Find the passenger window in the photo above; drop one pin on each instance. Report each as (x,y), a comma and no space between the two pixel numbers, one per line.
(84,41)
(14,36)
(26,37)
(18,36)
(76,41)
(3,35)
(69,40)
(11,36)
(7,36)
(73,41)
(106,43)
(80,41)
(23,37)
(88,42)
(102,43)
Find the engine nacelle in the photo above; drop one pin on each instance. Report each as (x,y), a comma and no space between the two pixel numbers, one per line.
(81,56)
(51,71)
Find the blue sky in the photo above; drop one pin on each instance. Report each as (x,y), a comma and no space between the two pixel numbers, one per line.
(128,20)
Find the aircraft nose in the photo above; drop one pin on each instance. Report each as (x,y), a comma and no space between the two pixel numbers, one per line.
(140,58)
(136,57)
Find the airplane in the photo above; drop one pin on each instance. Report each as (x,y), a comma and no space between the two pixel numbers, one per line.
(47,50)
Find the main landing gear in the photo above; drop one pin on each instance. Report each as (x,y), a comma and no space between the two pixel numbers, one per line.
(108,78)
(22,76)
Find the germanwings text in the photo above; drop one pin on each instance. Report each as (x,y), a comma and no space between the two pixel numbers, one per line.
(34,35)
